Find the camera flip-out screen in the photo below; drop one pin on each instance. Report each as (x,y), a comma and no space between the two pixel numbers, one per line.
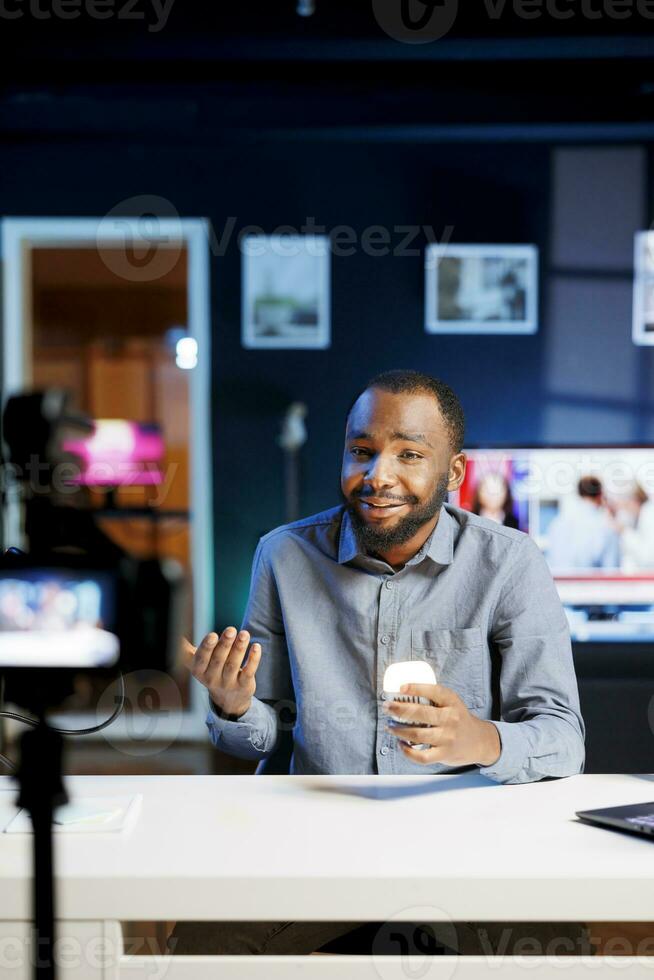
(58,617)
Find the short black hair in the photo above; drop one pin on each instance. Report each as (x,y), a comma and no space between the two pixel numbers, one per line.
(401,382)
(589,486)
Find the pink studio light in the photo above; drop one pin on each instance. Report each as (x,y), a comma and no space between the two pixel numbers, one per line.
(118,453)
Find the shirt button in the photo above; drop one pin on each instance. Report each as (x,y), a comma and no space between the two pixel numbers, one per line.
(385,638)
(389,584)
(384,750)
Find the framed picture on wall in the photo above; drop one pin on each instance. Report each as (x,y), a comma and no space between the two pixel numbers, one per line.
(481,289)
(643,299)
(286,291)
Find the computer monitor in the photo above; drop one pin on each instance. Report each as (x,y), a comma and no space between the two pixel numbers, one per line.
(591,512)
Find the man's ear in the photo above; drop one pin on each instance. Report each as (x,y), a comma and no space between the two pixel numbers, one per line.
(457,471)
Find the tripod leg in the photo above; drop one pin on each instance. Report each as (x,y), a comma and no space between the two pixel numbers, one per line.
(43,895)
(41,789)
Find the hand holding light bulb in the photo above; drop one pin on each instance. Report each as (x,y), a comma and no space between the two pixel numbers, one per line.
(432,723)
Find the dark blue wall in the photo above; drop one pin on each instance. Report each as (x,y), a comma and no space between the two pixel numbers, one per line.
(579,379)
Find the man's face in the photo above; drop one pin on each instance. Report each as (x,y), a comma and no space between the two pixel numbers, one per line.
(398,466)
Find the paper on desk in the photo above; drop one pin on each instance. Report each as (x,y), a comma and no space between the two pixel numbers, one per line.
(85,815)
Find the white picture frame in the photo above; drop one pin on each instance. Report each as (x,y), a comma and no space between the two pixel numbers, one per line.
(286,301)
(642,329)
(481,289)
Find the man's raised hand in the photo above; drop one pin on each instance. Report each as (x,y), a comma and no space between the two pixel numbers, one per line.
(217,664)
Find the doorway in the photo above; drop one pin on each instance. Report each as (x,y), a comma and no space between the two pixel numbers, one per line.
(118,315)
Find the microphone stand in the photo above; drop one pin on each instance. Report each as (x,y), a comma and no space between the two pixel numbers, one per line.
(292,437)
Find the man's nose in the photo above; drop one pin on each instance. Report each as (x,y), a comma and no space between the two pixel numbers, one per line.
(380,472)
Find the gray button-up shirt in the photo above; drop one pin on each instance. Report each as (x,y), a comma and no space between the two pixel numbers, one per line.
(477,602)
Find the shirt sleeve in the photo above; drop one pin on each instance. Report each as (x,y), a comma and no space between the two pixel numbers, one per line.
(253,736)
(541,729)
(256,733)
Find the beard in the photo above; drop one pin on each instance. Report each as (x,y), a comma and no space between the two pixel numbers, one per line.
(379,539)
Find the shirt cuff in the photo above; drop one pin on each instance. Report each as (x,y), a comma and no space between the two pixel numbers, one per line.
(512,754)
(247,737)
(220,716)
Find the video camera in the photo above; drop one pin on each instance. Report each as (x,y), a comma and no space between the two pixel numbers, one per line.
(73,600)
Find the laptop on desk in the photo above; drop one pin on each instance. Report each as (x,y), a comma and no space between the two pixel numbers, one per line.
(635,819)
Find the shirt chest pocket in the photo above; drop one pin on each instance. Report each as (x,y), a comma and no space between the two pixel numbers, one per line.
(457,657)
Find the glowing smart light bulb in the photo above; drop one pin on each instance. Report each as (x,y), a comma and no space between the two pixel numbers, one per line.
(407,672)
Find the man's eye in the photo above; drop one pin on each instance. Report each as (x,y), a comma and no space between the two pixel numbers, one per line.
(407,454)
(359,451)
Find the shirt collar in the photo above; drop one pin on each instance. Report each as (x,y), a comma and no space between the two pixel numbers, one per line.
(439,546)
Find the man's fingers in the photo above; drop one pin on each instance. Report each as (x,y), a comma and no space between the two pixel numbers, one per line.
(250,669)
(409,733)
(424,756)
(212,652)
(203,653)
(426,714)
(236,656)
(186,653)
(216,662)
(435,693)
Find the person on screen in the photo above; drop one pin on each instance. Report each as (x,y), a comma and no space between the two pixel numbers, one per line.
(634,522)
(514,298)
(393,573)
(493,499)
(15,612)
(55,606)
(583,538)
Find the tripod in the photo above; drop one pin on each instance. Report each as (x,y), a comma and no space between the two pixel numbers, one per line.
(41,789)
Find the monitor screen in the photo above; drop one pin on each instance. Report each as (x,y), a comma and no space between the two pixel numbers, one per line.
(118,453)
(58,617)
(591,512)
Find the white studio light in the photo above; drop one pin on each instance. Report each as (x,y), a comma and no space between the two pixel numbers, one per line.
(186,353)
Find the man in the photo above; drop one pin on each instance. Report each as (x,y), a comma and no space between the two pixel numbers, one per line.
(583,537)
(393,574)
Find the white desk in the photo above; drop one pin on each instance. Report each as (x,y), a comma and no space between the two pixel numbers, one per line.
(339,848)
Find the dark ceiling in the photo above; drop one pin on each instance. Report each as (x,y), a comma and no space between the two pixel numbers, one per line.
(255,64)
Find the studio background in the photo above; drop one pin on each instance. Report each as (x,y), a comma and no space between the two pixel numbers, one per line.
(508,153)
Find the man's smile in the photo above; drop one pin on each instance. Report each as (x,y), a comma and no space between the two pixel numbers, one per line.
(379,507)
